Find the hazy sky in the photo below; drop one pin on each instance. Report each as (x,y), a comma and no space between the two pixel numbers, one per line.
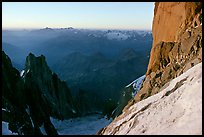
(107,15)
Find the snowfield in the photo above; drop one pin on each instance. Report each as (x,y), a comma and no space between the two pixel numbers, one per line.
(177,109)
(88,125)
(42,129)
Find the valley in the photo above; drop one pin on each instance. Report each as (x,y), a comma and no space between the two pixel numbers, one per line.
(96,66)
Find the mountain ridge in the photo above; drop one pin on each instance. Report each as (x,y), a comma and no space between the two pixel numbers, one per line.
(32,97)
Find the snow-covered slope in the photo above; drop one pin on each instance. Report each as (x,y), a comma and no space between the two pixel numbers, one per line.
(177,109)
(87,125)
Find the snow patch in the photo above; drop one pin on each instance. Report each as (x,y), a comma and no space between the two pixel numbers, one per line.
(28,111)
(28,70)
(42,129)
(136,84)
(22,73)
(73,111)
(5,129)
(5,110)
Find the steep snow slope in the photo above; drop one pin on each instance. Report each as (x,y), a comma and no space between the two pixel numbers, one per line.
(177,109)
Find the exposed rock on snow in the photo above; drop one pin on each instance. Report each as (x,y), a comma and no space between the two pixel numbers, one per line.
(177,109)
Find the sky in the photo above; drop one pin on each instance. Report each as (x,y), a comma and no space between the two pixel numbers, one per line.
(90,15)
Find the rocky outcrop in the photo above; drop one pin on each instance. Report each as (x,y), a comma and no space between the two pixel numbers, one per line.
(54,92)
(177,44)
(32,97)
(177,109)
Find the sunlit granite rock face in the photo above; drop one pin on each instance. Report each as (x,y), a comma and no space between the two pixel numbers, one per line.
(177,46)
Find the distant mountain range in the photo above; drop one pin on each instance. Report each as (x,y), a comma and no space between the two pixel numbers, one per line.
(94,63)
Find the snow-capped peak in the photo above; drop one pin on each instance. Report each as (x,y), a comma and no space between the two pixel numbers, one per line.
(117,36)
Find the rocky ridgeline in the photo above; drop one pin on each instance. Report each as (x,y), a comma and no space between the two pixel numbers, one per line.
(31,99)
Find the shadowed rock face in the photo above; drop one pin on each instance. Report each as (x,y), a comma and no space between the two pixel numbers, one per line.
(177,44)
(29,101)
(54,92)
(13,99)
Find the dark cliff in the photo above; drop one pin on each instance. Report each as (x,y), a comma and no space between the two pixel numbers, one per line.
(31,99)
(39,78)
